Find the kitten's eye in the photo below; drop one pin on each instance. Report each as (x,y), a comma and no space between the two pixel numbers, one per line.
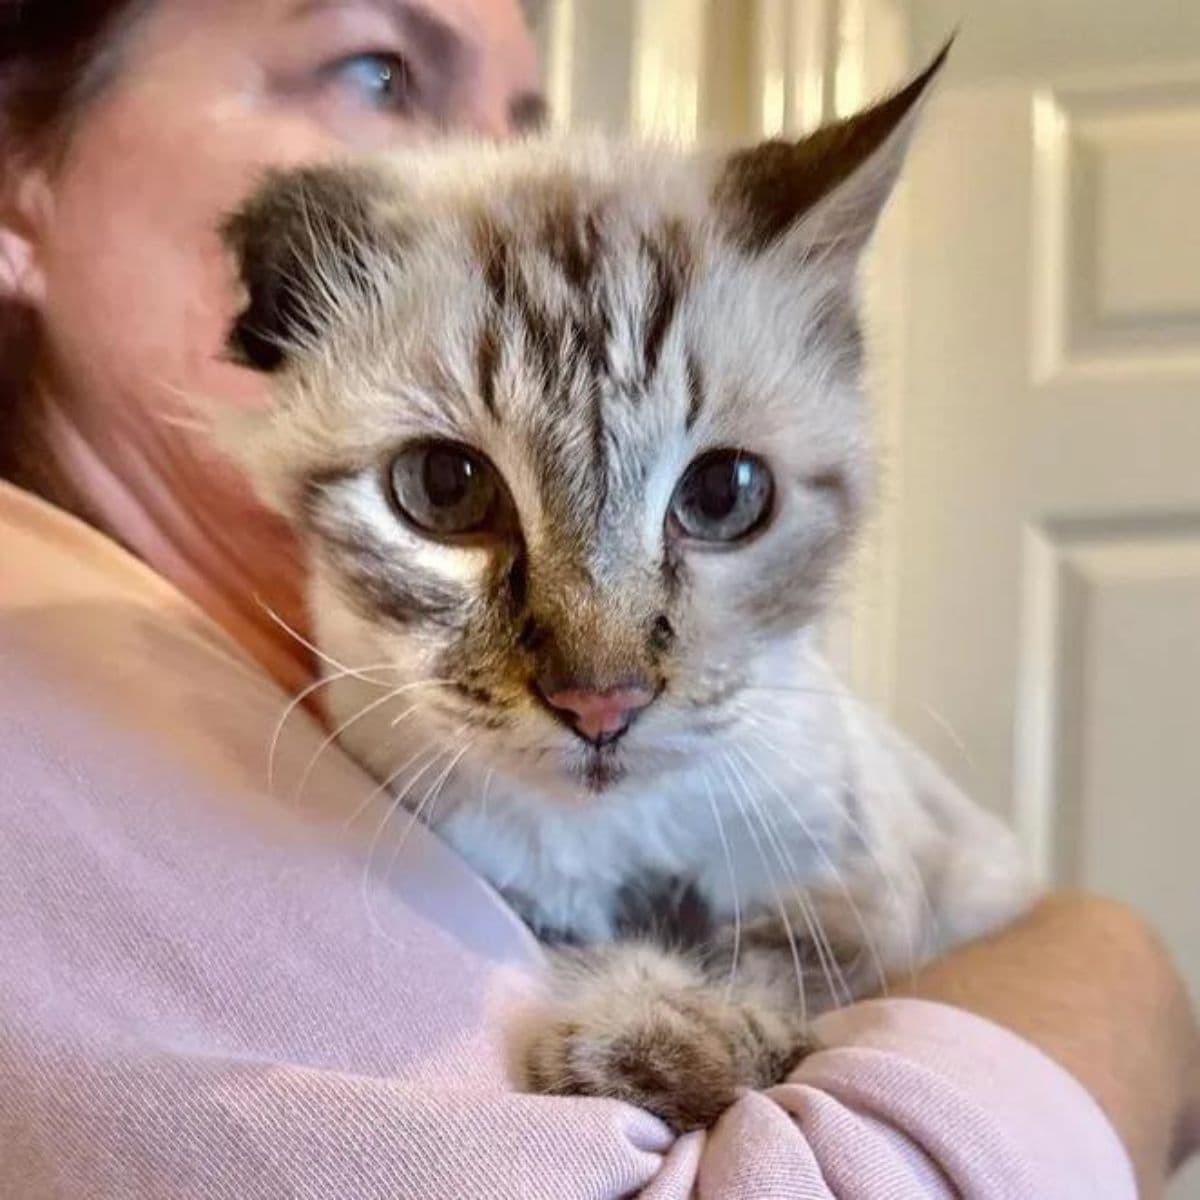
(380,77)
(724,496)
(447,490)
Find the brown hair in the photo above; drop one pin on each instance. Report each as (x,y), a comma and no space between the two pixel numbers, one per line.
(54,56)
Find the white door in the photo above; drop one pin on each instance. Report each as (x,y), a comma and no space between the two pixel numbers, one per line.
(1035,614)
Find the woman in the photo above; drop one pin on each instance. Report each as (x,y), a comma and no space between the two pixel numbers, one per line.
(206,990)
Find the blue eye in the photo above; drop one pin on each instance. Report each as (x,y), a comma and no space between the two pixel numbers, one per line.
(383,79)
(724,496)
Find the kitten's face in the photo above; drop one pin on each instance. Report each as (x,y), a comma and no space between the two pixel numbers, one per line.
(575,434)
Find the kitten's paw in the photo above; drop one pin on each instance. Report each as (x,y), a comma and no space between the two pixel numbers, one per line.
(678,1050)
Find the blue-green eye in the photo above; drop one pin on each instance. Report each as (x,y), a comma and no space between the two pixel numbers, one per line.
(724,496)
(382,78)
(448,491)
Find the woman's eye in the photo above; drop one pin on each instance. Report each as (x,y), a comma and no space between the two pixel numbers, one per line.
(382,78)
(724,496)
(446,490)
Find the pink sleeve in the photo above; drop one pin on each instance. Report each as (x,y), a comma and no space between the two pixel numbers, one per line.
(919,1100)
(207,990)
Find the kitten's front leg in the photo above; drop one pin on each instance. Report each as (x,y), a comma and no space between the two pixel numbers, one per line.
(637,1023)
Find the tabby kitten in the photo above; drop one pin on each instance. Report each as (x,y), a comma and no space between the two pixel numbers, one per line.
(574,433)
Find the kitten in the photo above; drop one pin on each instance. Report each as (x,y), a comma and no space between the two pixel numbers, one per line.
(574,433)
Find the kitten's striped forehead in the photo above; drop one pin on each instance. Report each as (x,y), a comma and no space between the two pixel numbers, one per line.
(580,301)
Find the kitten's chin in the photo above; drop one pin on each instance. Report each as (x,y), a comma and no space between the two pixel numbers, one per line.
(610,772)
(601,770)
(581,775)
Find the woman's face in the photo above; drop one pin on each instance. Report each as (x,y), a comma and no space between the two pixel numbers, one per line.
(116,247)
(130,276)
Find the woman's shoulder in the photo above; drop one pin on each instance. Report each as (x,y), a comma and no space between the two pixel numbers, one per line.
(136,741)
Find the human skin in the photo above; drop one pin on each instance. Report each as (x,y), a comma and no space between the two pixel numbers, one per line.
(1091,985)
(115,245)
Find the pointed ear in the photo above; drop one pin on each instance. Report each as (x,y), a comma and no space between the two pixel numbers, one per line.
(304,239)
(831,186)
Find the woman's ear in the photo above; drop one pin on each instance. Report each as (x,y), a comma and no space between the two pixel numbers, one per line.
(26,208)
(306,241)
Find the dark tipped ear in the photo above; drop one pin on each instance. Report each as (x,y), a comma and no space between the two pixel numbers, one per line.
(304,236)
(833,184)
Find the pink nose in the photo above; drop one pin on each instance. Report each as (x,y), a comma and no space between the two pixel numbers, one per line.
(601,716)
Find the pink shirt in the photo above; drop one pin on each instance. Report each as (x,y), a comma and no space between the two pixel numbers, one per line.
(209,989)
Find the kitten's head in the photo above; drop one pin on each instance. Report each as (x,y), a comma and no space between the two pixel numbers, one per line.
(574,432)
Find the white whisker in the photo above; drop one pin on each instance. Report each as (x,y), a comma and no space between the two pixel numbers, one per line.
(428,799)
(782,908)
(825,956)
(366,710)
(868,844)
(387,816)
(290,708)
(358,672)
(301,696)
(868,939)
(733,886)
(485,792)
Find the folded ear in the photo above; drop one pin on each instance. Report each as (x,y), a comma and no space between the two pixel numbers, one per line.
(306,240)
(827,190)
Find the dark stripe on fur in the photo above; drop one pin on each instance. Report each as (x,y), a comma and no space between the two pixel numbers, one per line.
(695,380)
(394,594)
(667,909)
(668,258)
(487,361)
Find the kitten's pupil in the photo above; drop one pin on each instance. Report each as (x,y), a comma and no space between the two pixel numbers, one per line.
(718,486)
(447,477)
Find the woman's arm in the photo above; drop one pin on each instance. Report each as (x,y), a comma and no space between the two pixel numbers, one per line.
(1090,984)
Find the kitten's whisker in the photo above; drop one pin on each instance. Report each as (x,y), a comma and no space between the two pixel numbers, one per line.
(389,812)
(430,799)
(485,792)
(290,708)
(779,904)
(366,710)
(316,650)
(868,844)
(826,958)
(956,739)
(733,886)
(838,878)
(825,955)
(299,699)
(387,782)
(310,766)
(365,803)
(844,695)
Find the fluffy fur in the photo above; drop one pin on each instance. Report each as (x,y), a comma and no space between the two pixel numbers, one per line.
(592,317)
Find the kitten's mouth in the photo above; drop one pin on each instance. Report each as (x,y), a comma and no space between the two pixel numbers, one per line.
(601,769)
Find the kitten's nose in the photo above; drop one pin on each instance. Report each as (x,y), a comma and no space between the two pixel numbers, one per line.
(600,717)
